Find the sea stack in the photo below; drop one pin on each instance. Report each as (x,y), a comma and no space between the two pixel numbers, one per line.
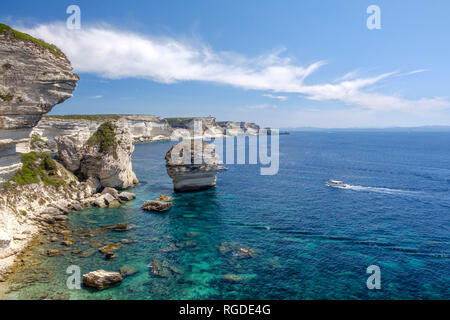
(106,155)
(192,165)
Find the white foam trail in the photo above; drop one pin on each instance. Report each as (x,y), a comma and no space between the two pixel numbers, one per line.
(375,189)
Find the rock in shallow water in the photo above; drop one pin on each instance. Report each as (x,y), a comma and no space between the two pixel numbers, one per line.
(233,278)
(156,206)
(127,271)
(101,279)
(192,165)
(164,197)
(126,196)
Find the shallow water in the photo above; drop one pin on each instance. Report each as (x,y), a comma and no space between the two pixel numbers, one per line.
(311,241)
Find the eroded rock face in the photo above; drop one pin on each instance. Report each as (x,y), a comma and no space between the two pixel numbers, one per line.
(192,165)
(105,155)
(33,79)
(70,150)
(101,279)
(112,167)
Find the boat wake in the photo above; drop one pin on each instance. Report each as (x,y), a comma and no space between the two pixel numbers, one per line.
(376,189)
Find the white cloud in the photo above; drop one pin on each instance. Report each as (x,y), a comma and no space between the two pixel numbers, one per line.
(281,98)
(114,54)
(262,106)
(97,97)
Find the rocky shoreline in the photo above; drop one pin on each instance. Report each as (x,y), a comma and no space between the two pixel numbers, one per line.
(93,151)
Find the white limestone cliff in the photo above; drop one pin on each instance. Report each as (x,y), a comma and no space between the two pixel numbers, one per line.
(34,77)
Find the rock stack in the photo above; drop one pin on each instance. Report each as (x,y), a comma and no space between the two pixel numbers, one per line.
(105,155)
(192,165)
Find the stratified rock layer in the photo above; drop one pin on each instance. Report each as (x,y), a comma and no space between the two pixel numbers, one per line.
(33,79)
(192,165)
(86,156)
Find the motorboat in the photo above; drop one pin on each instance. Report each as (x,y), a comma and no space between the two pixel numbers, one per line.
(336,184)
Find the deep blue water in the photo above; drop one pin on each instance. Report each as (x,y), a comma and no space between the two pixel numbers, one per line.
(311,241)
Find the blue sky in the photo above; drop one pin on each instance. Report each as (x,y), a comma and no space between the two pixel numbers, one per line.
(278,63)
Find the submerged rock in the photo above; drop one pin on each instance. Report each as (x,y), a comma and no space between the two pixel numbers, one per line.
(235,250)
(110,255)
(110,248)
(52,253)
(156,206)
(192,165)
(233,278)
(101,279)
(123,226)
(164,197)
(158,269)
(127,271)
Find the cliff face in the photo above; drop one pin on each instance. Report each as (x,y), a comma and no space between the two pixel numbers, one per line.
(105,155)
(143,128)
(34,77)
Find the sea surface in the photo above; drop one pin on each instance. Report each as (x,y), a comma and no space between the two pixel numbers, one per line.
(311,241)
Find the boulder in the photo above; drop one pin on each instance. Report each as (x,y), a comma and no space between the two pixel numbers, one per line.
(111,191)
(92,186)
(126,196)
(76,206)
(108,198)
(192,165)
(156,206)
(100,202)
(101,279)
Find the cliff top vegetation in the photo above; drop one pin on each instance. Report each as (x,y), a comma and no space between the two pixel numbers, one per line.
(5,29)
(36,167)
(105,137)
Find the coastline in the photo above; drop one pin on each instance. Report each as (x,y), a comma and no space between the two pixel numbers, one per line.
(34,231)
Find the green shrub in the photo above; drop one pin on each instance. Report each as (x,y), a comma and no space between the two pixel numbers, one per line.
(36,167)
(105,137)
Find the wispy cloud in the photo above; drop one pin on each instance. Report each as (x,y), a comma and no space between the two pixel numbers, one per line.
(262,106)
(115,54)
(96,97)
(281,98)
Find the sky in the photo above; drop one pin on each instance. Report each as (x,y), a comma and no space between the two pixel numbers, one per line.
(277,63)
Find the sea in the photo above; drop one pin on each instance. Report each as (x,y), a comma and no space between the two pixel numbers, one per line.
(309,240)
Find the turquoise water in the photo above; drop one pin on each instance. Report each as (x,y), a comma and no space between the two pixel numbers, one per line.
(311,241)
